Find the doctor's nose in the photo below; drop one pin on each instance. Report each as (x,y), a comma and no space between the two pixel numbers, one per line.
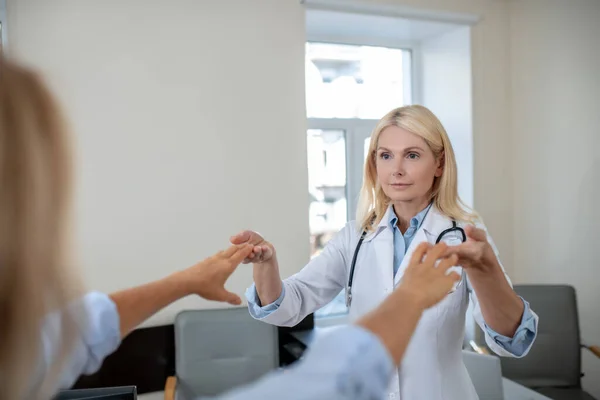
(398,170)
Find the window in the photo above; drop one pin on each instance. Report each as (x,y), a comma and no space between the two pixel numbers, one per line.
(348,89)
(365,82)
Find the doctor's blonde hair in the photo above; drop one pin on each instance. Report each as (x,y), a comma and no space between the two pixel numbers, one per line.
(35,167)
(373,203)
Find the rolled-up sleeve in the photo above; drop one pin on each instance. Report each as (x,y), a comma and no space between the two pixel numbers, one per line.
(521,342)
(524,336)
(256,309)
(349,363)
(97,334)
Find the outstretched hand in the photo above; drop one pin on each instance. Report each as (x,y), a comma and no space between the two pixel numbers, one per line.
(425,279)
(207,278)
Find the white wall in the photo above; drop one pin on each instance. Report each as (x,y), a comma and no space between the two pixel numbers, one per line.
(190,125)
(555,97)
(447,91)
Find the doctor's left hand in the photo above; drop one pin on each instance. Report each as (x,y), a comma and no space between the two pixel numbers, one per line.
(476,253)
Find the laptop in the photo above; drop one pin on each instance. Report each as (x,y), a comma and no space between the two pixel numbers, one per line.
(486,373)
(112,393)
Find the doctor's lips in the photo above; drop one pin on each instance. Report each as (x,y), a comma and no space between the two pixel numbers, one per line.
(400,185)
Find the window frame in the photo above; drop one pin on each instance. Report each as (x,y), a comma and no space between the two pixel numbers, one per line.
(357,129)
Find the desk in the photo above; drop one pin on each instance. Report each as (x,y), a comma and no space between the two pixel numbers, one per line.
(512,390)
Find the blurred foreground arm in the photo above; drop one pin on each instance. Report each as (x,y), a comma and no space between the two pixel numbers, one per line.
(102,321)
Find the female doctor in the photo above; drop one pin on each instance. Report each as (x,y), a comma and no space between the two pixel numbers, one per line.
(409,196)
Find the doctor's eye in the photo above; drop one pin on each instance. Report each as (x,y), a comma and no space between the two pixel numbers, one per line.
(384,155)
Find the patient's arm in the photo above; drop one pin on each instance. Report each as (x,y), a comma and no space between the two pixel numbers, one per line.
(348,363)
(206,279)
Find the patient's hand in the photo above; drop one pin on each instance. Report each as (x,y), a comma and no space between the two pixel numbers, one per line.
(262,250)
(207,278)
(427,278)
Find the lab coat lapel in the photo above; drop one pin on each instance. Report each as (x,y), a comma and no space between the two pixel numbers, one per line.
(384,253)
(434,223)
(383,246)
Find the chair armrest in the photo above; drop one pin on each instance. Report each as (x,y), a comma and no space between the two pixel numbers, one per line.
(594,349)
(170,386)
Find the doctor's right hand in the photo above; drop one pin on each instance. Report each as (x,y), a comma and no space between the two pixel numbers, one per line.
(425,280)
(263,250)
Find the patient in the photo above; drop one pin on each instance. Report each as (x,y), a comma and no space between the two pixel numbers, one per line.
(52,331)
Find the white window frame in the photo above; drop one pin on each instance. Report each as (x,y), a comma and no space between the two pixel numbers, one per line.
(354,128)
(355,132)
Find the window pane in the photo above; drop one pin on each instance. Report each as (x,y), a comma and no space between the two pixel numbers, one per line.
(327,190)
(326,185)
(344,81)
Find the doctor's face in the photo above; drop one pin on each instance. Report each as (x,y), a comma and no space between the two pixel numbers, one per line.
(406,166)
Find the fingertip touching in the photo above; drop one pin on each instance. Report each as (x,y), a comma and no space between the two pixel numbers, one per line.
(239,237)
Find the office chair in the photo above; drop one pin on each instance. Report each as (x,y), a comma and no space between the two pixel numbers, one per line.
(218,350)
(553,366)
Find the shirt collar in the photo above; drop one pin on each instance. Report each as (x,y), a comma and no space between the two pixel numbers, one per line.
(415,221)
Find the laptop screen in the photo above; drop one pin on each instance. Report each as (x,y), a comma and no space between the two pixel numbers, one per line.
(114,393)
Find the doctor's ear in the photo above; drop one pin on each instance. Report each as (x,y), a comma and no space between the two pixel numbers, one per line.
(441,160)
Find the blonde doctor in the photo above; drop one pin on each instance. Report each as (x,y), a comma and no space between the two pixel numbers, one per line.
(409,196)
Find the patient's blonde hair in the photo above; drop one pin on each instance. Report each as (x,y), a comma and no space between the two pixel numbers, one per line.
(35,166)
(373,202)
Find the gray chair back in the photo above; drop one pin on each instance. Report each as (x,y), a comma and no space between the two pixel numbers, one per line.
(217,350)
(555,358)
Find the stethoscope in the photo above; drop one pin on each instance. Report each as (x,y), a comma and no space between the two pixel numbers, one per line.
(454,228)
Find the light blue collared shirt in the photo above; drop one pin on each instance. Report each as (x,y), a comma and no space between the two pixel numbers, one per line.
(349,363)
(517,345)
(98,335)
(402,241)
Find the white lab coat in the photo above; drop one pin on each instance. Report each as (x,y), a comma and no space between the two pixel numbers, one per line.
(432,368)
